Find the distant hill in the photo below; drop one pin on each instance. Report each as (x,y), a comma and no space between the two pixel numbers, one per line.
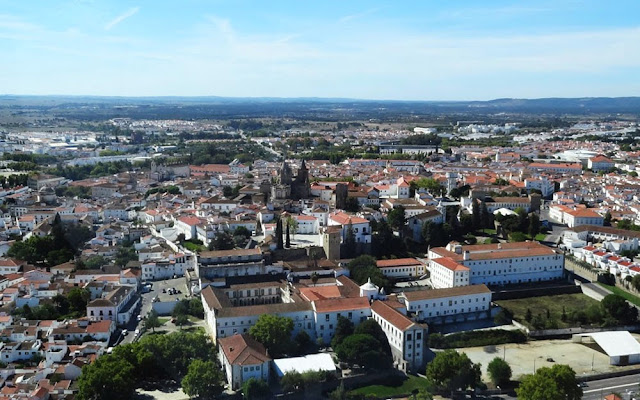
(243,107)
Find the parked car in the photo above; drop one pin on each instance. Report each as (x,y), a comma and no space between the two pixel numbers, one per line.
(125,332)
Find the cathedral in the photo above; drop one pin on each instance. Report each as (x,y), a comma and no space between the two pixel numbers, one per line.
(288,187)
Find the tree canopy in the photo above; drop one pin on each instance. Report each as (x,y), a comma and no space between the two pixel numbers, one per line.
(203,379)
(555,383)
(451,370)
(274,332)
(499,371)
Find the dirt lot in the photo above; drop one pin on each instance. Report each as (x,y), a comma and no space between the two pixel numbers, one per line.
(521,356)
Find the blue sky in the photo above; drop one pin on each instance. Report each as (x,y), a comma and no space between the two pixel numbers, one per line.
(406,50)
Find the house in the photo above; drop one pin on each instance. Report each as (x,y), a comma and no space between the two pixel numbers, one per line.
(243,358)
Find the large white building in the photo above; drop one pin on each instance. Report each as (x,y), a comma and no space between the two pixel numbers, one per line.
(406,338)
(575,216)
(463,303)
(494,264)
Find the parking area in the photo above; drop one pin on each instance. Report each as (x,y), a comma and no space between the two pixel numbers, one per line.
(524,358)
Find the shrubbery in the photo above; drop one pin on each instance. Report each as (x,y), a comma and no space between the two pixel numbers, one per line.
(476,338)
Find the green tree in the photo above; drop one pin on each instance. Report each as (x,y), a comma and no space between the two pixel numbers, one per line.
(344,328)
(279,240)
(287,240)
(350,242)
(396,218)
(555,383)
(78,299)
(618,308)
(292,382)
(152,321)
(255,389)
(227,191)
(363,350)
(203,380)
(475,213)
(274,332)
(108,378)
(499,371)
(364,267)
(451,370)
(303,342)
(95,262)
(222,241)
(534,225)
(124,255)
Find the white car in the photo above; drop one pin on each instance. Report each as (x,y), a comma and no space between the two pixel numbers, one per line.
(137,332)
(125,332)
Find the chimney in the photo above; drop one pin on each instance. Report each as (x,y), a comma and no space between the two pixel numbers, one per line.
(465,255)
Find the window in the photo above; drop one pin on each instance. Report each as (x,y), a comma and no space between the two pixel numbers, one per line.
(326,317)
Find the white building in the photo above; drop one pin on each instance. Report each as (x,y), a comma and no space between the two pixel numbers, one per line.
(494,264)
(406,338)
(458,304)
(360,226)
(401,268)
(243,358)
(545,186)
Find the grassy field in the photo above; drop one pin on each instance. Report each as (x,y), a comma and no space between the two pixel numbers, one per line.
(393,388)
(540,237)
(163,320)
(628,296)
(540,305)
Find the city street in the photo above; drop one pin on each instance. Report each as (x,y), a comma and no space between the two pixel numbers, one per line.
(623,385)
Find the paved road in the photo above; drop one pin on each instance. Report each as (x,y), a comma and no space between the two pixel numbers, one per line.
(627,386)
(146,301)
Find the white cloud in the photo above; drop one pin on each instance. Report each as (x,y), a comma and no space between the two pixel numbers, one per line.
(129,13)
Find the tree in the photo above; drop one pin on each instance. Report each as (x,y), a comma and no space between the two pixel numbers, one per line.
(181,320)
(607,218)
(618,308)
(274,332)
(94,262)
(255,389)
(292,381)
(222,241)
(227,191)
(363,350)
(344,328)
(555,383)
(302,341)
(109,377)
(475,213)
(280,242)
(125,254)
(314,278)
(451,370)
(203,379)
(485,217)
(364,267)
(152,321)
(350,242)
(499,371)
(534,225)
(635,281)
(396,218)
(352,204)
(78,299)
(287,242)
